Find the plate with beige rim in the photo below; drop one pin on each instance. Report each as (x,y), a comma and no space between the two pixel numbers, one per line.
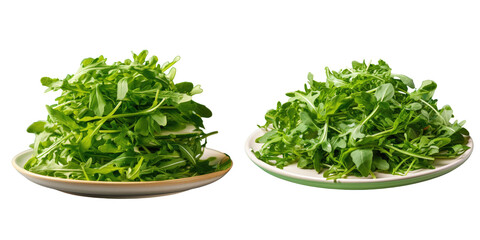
(122,189)
(311,178)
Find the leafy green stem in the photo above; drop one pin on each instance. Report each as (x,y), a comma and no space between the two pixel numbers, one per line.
(103,120)
(369,116)
(122,115)
(63,104)
(410,166)
(382,133)
(348,171)
(400,164)
(84,172)
(325,132)
(110,131)
(434,110)
(409,153)
(86,143)
(356,131)
(53,146)
(84,70)
(336,130)
(377,77)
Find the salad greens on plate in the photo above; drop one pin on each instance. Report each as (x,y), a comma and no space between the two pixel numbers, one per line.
(126,121)
(360,121)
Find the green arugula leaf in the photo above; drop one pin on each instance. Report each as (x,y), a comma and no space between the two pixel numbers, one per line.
(133,173)
(406,80)
(160,118)
(51,83)
(97,103)
(385,92)
(60,118)
(381,164)
(184,87)
(425,92)
(363,160)
(122,89)
(36,127)
(141,127)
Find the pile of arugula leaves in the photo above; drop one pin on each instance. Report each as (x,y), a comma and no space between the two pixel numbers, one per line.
(126,121)
(361,120)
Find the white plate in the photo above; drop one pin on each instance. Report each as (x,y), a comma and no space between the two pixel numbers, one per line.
(121,189)
(312,178)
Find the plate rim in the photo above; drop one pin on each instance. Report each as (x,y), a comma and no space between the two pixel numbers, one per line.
(421,173)
(177,181)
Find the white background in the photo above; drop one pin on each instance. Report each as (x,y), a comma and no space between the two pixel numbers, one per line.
(246,55)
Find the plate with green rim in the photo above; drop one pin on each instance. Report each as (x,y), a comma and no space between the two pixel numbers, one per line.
(122,189)
(383,180)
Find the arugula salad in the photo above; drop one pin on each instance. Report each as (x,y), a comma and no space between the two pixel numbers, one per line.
(360,121)
(126,121)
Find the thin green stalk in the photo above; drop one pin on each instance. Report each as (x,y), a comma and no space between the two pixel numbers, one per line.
(336,130)
(348,171)
(86,142)
(384,151)
(398,166)
(109,131)
(377,77)
(381,133)
(344,155)
(84,173)
(53,146)
(369,116)
(63,104)
(103,120)
(368,91)
(351,140)
(146,149)
(410,166)
(325,132)
(84,70)
(409,153)
(123,115)
(436,112)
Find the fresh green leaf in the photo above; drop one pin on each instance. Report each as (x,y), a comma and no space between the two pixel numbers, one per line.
(425,92)
(60,118)
(122,89)
(97,103)
(141,127)
(202,110)
(363,160)
(381,164)
(37,127)
(160,119)
(406,80)
(133,173)
(415,106)
(184,87)
(51,83)
(385,92)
